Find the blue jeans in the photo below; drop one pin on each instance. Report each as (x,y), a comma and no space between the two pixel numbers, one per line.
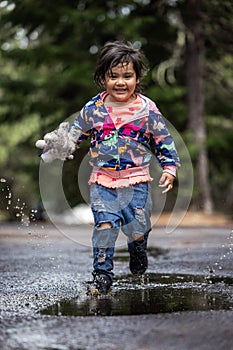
(128,208)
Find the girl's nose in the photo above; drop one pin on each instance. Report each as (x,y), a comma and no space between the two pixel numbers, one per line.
(120,81)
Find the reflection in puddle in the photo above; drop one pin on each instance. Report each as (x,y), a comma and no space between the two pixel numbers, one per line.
(151,294)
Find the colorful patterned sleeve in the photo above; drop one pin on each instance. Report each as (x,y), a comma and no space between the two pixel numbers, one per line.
(81,123)
(165,149)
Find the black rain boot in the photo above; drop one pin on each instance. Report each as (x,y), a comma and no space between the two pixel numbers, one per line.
(138,263)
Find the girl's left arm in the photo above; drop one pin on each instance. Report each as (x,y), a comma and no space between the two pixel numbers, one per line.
(165,150)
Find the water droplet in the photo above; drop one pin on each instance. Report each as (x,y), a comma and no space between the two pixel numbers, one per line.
(2,180)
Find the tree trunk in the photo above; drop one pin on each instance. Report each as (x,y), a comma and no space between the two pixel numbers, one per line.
(195,94)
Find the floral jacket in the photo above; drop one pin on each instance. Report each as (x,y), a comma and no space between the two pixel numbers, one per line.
(133,143)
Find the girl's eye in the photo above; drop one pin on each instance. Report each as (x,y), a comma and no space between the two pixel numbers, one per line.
(115,76)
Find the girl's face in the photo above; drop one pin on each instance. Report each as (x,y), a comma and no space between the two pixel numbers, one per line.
(121,82)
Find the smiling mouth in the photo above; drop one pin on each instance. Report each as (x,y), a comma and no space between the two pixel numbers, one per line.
(120,91)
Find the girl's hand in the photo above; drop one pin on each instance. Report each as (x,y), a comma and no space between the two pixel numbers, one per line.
(166,180)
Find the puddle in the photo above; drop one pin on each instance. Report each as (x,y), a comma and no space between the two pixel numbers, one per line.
(152,294)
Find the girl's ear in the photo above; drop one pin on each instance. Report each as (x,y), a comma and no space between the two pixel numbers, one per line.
(103,82)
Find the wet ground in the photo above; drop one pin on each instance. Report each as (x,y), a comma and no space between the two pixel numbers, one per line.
(185,301)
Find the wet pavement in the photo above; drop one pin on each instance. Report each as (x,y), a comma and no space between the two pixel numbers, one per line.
(184,301)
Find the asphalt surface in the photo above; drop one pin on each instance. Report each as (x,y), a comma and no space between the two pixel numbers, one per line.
(42,265)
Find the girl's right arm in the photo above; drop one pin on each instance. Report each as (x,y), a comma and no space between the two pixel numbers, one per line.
(62,142)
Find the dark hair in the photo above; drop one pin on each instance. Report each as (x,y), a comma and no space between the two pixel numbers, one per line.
(117,52)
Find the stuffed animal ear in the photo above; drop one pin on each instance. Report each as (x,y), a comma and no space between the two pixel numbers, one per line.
(64,126)
(40,144)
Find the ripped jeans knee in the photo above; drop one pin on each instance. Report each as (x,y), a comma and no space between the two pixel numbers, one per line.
(104,235)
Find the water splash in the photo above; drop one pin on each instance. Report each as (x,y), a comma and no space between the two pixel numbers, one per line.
(16,207)
(219,264)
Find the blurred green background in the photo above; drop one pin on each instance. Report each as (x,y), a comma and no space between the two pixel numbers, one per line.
(48,52)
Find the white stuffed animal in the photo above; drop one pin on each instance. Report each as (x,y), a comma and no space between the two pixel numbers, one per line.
(59,144)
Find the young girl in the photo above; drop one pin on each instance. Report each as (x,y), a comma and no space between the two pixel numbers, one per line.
(124,126)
